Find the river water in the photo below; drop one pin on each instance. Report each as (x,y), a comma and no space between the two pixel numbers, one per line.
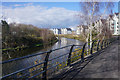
(24,63)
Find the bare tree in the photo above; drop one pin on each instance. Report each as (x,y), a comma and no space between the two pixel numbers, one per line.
(92,11)
(105,31)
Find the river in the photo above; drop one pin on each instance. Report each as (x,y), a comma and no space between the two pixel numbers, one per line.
(24,63)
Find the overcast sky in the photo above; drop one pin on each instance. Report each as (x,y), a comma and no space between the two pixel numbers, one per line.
(44,14)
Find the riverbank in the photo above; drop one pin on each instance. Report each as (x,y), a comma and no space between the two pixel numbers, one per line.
(11,54)
(21,36)
(35,50)
(24,47)
(70,36)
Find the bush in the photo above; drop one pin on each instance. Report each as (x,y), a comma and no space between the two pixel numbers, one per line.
(17,35)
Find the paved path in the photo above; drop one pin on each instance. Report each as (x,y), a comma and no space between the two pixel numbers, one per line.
(104,65)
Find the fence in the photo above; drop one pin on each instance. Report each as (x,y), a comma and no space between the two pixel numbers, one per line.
(44,69)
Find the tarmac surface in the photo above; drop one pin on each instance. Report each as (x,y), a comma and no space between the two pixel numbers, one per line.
(103,66)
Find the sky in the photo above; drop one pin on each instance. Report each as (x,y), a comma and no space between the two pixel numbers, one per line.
(45,14)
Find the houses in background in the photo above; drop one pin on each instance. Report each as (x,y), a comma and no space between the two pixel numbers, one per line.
(57,31)
(99,24)
(116,26)
(81,29)
(66,31)
(111,23)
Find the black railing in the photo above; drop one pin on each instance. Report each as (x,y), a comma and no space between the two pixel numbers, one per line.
(43,69)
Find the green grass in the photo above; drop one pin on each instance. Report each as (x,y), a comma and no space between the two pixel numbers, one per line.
(70,36)
(22,47)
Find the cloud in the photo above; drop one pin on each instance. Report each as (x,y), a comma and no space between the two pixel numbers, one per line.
(42,16)
(17,5)
(74,28)
(0,12)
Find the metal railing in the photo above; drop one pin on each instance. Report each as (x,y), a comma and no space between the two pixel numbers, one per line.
(44,69)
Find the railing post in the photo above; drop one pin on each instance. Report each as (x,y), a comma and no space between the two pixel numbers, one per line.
(45,65)
(102,44)
(98,45)
(82,55)
(118,38)
(109,42)
(69,56)
(105,44)
(91,50)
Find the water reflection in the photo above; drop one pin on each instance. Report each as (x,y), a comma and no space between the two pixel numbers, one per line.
(20,64)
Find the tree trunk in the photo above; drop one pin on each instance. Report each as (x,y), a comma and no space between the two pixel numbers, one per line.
(90,37)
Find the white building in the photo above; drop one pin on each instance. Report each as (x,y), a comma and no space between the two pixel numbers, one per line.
(116,24)
(100,24)
(97,25)
(81,29)
(56,31)
(112,23)
(66,31)
(62,31)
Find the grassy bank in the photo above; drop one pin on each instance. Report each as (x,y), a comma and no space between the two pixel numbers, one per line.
(70,36)
(24,47)
(20,36)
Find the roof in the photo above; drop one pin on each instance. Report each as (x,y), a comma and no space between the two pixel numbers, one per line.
(116,13)
(69,29)
(56,28)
